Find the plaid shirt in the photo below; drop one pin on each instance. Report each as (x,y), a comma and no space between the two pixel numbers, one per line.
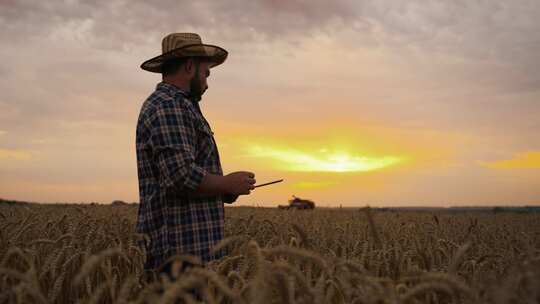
(175,149)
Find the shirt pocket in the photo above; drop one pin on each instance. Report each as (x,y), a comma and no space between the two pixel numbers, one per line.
(205,143)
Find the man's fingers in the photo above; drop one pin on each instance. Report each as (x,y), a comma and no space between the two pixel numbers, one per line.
(251,181)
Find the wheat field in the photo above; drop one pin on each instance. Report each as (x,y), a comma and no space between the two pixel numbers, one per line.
(88,254)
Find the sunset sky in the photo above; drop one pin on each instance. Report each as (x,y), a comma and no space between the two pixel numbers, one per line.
(379,102)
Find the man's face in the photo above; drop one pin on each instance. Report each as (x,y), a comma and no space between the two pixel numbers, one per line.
(198,84)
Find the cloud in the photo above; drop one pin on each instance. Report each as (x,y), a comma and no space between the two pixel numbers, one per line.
(524,160)
(472,49)
(483,30)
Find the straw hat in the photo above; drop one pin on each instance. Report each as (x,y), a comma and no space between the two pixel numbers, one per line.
(178,45)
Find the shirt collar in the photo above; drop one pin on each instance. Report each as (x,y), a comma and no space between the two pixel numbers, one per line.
(171,89)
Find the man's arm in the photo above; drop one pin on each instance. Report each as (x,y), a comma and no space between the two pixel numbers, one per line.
(172,139)
(236,183)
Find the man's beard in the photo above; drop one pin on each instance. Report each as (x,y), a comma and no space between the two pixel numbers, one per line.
(195,89)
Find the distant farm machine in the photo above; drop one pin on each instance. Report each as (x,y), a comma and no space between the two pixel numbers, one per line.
(298,204)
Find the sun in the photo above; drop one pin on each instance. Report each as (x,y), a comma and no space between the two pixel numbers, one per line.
(323,160)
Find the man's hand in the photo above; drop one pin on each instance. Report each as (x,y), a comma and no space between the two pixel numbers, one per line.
(239,183)
(229,198)
(229,186)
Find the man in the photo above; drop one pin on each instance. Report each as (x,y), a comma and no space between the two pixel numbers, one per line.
(181,184)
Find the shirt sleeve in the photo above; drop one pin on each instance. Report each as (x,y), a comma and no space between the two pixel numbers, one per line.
(173,140)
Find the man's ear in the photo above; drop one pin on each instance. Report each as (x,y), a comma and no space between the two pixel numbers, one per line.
(190,65)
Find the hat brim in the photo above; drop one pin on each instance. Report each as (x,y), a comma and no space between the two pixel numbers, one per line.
(215,54)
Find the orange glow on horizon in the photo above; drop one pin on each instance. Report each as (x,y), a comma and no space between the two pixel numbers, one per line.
(15,154)
(525,160)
